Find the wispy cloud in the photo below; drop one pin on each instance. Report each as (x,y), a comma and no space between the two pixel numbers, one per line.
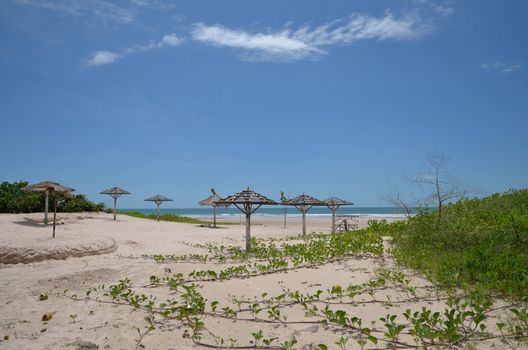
(102,57)
(312,42)
(443,10)
(101,10)
(278,45)
(501,67)
(440,7)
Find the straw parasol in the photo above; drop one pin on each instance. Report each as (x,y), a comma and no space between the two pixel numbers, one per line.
(303,203)
(212,201)
(115,192)
(158,200)
(48,187)
(248,202)
(334,203)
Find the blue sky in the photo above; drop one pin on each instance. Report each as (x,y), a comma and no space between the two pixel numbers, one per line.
(326,98)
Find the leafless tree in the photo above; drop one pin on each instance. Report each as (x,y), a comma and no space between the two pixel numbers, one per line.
(437,185)
(443,187)
(395,197)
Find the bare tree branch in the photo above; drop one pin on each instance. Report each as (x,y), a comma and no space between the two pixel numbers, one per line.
(445,188)
(396,198)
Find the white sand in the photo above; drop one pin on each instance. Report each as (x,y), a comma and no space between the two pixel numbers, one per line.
(26,239)
(115,327)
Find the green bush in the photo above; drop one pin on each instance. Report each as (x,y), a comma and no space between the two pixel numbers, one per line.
(78,202)
(479,242)
(13,200)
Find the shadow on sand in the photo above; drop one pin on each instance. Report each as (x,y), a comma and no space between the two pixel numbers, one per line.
(36,223)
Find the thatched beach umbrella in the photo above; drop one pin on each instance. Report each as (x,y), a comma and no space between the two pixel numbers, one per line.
(248,202)
(158,200)
(334,203)
(48,187)
(303,203)
(212,200)
(115,193)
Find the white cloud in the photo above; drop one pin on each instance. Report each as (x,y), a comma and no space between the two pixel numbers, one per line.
(102,57)
(262,45)
(501,67)
(310,42)
(101,10)
(171,40)
(99,58)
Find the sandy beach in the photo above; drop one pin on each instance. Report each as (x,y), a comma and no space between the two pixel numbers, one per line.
(105,251)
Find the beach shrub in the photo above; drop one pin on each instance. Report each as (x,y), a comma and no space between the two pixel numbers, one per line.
(478,242)
(77,203)
(167,217)
(13,200)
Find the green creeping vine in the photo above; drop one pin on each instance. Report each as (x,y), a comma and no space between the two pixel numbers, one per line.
(313,249)
(464,319)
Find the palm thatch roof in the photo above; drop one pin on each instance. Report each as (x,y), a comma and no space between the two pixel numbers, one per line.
(336,202)
(303,199)
(115,191)
(47,186)
(213,200)
(158,198)
(247,197)
(248,202)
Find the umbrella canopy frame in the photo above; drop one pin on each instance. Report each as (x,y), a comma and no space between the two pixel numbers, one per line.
(115,193)
(247,202)
(212,200)
(333,203)
(48,187)
(158,199)
(304,203)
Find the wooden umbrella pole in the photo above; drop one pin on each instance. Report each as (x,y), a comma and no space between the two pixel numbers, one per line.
(304,220)
(46,207)
(54,213)
(214,216)
(333,218)
(115,207)
(248,229)
(158,210)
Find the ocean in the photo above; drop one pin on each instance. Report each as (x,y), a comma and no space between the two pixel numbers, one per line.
(374,212)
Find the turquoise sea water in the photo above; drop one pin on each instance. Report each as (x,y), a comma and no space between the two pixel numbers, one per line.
(278,211)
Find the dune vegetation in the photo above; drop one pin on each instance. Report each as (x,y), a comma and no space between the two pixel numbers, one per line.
(474,256)
(477,243)
(167,217)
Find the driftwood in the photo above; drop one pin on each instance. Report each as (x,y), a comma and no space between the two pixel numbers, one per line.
(347,223)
